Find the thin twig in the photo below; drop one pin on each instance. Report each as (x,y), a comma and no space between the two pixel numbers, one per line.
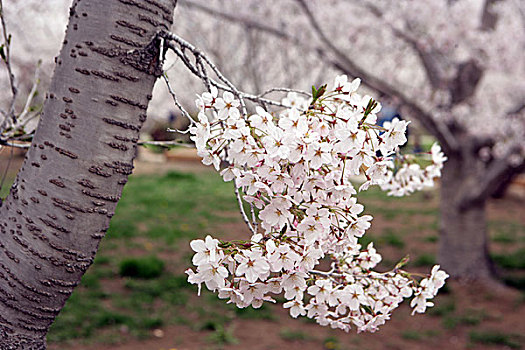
(176,101)
(36,81)
(241,208)
(285,90)
(198,70)
(15,145)
(7,61)
(254,217)
(340,275)
(205,79)
(165,144)
(184,132)
(199,55)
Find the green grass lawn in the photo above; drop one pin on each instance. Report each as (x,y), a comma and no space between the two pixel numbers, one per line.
(155,218)
(137,282)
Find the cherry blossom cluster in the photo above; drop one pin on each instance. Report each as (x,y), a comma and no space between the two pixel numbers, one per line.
(294,168)
(410,177)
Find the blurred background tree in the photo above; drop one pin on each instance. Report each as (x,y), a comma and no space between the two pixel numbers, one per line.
(450,65)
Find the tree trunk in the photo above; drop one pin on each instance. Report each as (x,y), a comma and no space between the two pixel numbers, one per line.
(66,192)
(463,244)
(506,180)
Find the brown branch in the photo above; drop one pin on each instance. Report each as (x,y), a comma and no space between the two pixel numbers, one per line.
(9,143)
(438,129)
(488,17)
(345,65)
(180,47)
(433,73)
(236,18)
(464,85)
(517,109)
(499,170)
(428,59)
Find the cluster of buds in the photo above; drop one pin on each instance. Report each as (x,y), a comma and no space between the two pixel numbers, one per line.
(294,168)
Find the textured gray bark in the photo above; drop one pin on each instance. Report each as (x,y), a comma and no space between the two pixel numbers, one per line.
(463,244)
(66,192)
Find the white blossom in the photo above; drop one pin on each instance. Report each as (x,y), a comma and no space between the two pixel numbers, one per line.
(294,166)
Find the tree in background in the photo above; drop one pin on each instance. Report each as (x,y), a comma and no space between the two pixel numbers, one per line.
(453,66)
(33,52)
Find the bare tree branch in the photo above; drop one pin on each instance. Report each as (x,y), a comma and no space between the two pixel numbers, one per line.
(6,57)
(488,17)
(438,129)
(181,46)
(284,90)
(500,169)
(466,81)
(22,145)
(24,118)
(12,123)
(428,59)
(36,81)
(342,62)
(165,144)
(236,18)
(176,100)
(517,109)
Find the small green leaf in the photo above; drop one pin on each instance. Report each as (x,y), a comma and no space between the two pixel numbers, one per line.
(402,262)
(370,107)
(283,231)
(367,309)
(321,91)
(316,93)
